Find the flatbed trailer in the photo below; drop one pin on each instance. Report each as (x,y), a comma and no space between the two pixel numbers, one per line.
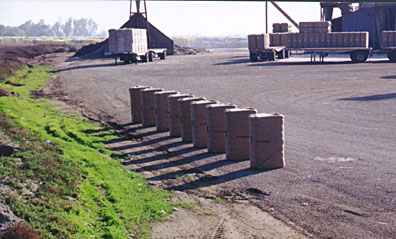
(390,51)
(357,54)
(134,57)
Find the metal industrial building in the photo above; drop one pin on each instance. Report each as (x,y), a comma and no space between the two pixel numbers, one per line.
(369,16)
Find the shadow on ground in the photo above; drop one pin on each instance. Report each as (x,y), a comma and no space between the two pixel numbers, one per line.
(371,97)
(174,159)
(393,77)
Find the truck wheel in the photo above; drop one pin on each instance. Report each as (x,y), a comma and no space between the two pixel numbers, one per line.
(151,57)
(272,56)
(359,56)
(162,55)
(253,57)
(144,58)
(281,54)
(392,56)
(287,54)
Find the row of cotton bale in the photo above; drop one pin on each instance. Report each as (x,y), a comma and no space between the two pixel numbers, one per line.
(240,133)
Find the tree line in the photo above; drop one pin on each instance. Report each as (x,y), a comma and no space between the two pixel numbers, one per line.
(72,27)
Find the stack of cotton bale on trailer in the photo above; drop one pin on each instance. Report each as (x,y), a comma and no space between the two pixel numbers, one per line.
(388,39)
(258,42)
(281,27)
(240,133)
(319,35)
(127,40)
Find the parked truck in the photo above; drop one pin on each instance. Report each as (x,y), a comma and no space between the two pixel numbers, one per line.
(316,38)
(130,46)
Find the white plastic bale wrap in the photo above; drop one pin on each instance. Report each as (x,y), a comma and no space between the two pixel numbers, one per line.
(185,117)
(136,108)
(266,134)
(162,109)
(198,121)
(127,40)
(148,106)
(174,116)
(216,127)
(237,133)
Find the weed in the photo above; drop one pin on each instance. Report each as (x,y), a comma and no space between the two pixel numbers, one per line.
(83,189)
(220,200)
(19,231)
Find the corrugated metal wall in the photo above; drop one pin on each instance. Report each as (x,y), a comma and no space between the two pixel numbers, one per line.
(374,20)
(361,20)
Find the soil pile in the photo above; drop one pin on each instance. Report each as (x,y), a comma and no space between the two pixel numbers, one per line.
(95,50)
(12,57)
(182,50)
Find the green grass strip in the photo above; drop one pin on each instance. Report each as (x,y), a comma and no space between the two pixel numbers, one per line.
(83,192)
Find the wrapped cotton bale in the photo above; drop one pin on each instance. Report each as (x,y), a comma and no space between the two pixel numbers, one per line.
(198,116)
(215,121)
(266,134)
(148,106)
(136,108)
(162,109)
(174,116)
(237,133)
(300,40)
(252,42)
(258,42)
(294,40)
(185,117)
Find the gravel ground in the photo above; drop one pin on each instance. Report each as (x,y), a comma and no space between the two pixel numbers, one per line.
(340,178)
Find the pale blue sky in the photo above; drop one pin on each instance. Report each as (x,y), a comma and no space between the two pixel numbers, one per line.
(174,18)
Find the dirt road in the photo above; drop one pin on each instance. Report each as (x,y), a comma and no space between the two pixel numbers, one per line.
(340,178)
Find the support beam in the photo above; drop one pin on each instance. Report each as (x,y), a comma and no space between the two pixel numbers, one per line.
(266,16)
(285,14)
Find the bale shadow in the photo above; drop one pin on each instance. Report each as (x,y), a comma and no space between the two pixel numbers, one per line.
(214,180)
(371,97)
(234,62)
(179,162)
(199,169)
(389,77)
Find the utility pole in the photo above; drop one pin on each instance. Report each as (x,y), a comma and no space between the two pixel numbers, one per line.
(266,16)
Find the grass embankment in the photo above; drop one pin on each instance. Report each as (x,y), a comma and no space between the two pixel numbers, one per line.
(83,191)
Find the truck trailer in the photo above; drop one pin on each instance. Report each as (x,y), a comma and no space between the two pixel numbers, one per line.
(130,46)
(316,38)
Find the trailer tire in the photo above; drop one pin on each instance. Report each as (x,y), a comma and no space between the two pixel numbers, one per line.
(151,57)
(392,56)
(253,57)
(359,56)
(281,54)
(272,56)
(145,58)
(162,55)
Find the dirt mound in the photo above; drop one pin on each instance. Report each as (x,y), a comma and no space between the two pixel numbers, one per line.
(183,50)
(95,50)
(12,57)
